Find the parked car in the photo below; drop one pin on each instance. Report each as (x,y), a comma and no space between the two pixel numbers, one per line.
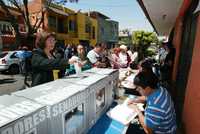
(9,62)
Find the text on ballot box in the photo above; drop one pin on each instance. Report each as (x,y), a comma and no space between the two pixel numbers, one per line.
(65,106)
(22,116)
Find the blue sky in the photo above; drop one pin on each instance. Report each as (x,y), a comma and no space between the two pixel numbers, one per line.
(127,12)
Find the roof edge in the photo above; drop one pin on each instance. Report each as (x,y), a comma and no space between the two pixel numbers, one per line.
(140,2)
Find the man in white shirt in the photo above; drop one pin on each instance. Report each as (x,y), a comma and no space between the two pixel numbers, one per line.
(94,56)
(124,58)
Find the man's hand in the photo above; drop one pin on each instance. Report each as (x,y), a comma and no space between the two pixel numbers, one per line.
(100,64)
(141,99)
(135,108)
(141,118)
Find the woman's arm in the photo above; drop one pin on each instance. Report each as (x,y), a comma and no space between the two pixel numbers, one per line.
(43,63)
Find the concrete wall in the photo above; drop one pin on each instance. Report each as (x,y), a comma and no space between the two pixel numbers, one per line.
(191,110)
(191,113)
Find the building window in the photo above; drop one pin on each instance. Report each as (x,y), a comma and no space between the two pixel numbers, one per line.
(6,29)
(61,28)
(116,27)
(72,25)
(93,32)
(87,28)
(102,30)
(52,21)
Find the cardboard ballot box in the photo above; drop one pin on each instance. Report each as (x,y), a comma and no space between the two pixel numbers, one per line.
(114,78)
(66,106)
(22,116)
(113,73)
(98,93)
(106,125)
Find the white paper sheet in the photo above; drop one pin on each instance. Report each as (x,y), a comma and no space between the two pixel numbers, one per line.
(123,114)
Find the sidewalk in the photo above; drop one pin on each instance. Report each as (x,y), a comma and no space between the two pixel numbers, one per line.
(10,83)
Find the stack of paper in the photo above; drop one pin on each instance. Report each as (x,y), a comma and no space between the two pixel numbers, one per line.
(123,113)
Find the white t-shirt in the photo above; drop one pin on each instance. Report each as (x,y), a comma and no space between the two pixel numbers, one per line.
(123,59)
(93,56)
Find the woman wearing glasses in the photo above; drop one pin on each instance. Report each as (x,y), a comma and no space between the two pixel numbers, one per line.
(45,61)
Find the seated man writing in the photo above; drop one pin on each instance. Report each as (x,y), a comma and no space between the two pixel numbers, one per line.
(159,116)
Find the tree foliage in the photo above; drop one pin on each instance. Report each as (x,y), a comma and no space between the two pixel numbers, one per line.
(22,7)
(142,41)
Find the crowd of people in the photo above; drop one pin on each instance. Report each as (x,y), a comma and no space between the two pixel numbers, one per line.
(159,115)
(49,58)
(62,59)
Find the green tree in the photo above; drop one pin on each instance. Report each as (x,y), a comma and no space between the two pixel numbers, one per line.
(22,7)
(142,41)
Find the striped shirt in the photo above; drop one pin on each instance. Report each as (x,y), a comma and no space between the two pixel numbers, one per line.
(160,114)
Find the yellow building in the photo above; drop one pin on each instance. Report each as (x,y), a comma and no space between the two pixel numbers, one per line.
(70,27)
(56,20)
(82,29)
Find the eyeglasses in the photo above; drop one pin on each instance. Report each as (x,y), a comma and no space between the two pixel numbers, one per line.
(52,40)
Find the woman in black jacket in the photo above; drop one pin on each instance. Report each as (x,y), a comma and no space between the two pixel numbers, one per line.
(44,61)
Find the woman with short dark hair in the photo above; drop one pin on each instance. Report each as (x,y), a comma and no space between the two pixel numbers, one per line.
(44,61)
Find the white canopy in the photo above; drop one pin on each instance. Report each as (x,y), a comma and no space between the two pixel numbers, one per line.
(161,13)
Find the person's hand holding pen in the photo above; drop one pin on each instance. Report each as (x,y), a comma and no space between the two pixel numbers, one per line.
(135,108)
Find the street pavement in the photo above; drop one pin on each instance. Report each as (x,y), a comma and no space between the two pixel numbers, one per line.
(10,83)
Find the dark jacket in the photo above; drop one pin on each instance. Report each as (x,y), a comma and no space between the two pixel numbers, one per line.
(43,67)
